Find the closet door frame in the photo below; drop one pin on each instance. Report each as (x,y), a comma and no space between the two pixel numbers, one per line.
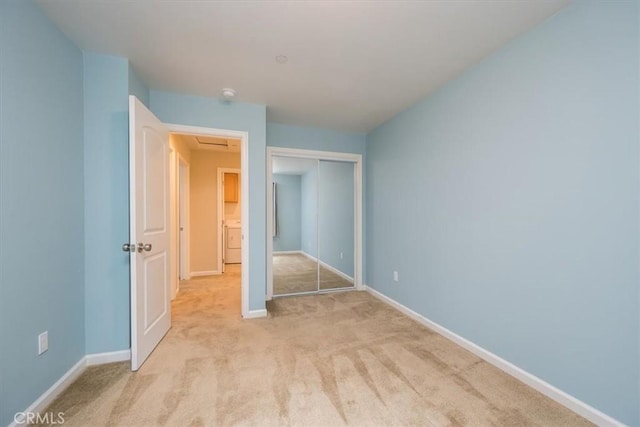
(356,159)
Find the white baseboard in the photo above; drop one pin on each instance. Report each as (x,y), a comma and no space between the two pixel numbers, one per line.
(254,314)
(204,273)
(311,257)
(336,271)
(590,413)
(41,403)
(102,358)
(327,266)
(286,252)
(58,387)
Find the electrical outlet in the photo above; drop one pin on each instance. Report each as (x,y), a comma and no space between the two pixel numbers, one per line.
(395,276)
(43,342)
(341,255)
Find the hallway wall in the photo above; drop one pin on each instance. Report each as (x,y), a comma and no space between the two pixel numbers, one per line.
(204,207)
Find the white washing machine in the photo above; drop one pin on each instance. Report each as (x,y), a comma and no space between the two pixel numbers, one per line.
(232,241)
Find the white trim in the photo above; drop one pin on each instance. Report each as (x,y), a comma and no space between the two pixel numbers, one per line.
(244,194)
(173,222)
(308,255)
(46,398)
(325,265)
(314,154)
(41,403)
(287,252)
(358,276)
(184,196)
(255,314)
(336,271)
(110,357)
(565,399)
(204,273)
(320,155)
(269,227)
(318,292)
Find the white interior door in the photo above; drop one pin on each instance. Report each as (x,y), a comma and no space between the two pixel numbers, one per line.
(150,237)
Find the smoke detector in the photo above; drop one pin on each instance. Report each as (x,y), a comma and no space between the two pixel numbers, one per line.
(228,94)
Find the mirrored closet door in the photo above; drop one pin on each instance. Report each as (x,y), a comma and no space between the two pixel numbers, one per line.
(313,225)
(336,224)
(295,225)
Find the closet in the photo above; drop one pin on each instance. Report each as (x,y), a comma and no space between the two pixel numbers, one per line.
(313,225)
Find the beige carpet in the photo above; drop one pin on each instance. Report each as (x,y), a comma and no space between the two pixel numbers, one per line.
(321,360)
(295,273)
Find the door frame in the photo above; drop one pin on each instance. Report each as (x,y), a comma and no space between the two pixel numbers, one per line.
(220,207)
(183,199)
(356,159)
(174,280)
(244,194)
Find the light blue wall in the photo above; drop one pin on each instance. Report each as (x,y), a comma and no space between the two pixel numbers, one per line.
(137,87)
(336,215)
(289,208)
(41,205)
(212,112)
(315,139)
(508,202)
(309,209)
(106,175)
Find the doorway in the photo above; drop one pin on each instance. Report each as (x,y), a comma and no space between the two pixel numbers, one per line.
(228,213)
(152,245)
(314,222)
(214,136)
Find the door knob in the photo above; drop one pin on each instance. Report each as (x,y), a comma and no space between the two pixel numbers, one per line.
(143,247)
(129,247)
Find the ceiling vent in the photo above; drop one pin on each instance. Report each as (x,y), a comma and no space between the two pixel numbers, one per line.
(218,142)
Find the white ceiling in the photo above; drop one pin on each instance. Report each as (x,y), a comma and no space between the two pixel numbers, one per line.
(352,64)
(210,143)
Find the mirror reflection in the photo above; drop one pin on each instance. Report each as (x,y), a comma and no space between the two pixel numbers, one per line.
(314,225)
(336,209)
(295,240)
